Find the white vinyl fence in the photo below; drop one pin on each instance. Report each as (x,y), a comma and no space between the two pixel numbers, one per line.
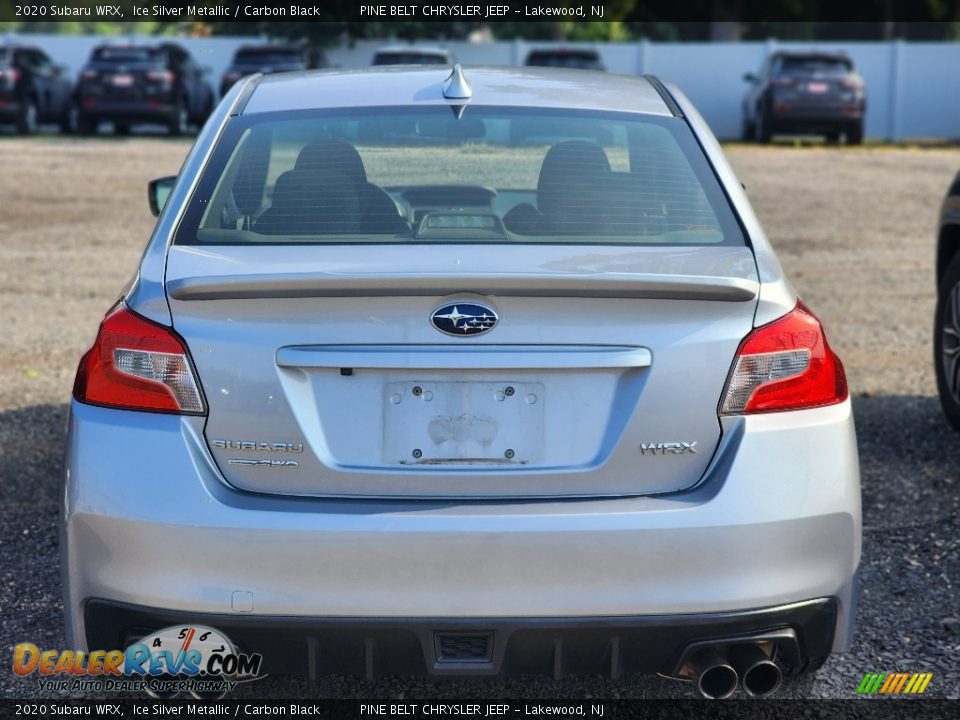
(913,89)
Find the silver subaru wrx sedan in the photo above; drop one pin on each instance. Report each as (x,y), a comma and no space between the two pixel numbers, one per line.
(480,371)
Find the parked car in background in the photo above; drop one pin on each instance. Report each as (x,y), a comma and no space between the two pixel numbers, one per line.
(398,394)
(268,59)
(570,58)
(130,84)
(806,93)
(413,55)
(946,335)
(33,89)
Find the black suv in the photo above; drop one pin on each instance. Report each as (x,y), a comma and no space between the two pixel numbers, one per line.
(127,84)
(32,89)
(268,59)
(805,93)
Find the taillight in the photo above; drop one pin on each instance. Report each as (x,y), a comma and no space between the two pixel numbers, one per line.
(136,364)
(852,83)
(164,76)
(89,75)
(786,365)
(783,82)
(12,75)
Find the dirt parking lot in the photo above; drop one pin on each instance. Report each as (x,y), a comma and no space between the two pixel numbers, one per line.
(855,229)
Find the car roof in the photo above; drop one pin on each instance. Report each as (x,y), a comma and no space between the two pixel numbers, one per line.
(423,49)
(837,55)
(498,86)
(565,51)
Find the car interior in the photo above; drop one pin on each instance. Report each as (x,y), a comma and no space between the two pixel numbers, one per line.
(576,186)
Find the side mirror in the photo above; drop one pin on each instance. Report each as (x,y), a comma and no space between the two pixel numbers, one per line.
(158,191)
(749,77)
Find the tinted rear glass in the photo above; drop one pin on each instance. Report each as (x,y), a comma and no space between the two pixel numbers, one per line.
(580,61)
(423,176)
(815,65)
(125,55)
(409,58)
(277,56)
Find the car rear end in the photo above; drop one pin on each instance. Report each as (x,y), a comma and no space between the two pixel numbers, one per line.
(816,93)
(411,56)
(266,60)
(128,84)
(474,405)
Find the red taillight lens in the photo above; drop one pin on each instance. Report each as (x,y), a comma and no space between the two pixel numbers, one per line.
(135,364)
(164,76)
(89,75)
(851,83)
(783,82)
(12,75)
(786,365)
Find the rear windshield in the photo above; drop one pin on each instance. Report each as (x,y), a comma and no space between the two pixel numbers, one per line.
(409,58)
(580,61)
(125,55)
(814,64)
(267,56)
(421,175)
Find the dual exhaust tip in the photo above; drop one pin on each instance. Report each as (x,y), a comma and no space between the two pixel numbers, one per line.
(717,673)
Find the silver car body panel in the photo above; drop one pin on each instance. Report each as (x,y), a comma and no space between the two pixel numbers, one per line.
(688,308)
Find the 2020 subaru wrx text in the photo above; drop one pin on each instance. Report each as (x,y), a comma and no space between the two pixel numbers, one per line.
(400,389)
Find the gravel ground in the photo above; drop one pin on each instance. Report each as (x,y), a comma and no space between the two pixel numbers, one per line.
(854,227)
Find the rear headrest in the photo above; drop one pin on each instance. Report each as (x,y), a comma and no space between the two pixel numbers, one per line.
(312,202)
(332,155)
(570,170)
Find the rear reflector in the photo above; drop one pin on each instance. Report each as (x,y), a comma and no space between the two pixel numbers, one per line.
(786,365)
(136,364)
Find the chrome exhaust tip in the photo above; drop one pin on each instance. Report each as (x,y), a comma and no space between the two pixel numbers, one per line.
(716,679)
(759,675)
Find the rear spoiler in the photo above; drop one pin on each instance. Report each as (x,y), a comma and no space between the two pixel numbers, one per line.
(612,285)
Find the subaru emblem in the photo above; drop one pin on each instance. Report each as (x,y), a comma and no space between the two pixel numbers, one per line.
(464,319)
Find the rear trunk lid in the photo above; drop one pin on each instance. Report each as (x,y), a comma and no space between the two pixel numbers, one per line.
(324,375)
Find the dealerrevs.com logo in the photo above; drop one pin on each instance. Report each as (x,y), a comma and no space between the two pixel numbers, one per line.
(191,659)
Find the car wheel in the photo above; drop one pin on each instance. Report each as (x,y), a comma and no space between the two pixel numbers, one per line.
(70,120)
(27,120)
(180,120)
(832,137)
(763,128)
(748,131)
(86,125)
(855,133)
(946,342)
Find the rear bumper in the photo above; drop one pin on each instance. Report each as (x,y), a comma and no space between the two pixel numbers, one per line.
(9,109)
(149,522)
(481,646)
(155,110)
(815,117)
